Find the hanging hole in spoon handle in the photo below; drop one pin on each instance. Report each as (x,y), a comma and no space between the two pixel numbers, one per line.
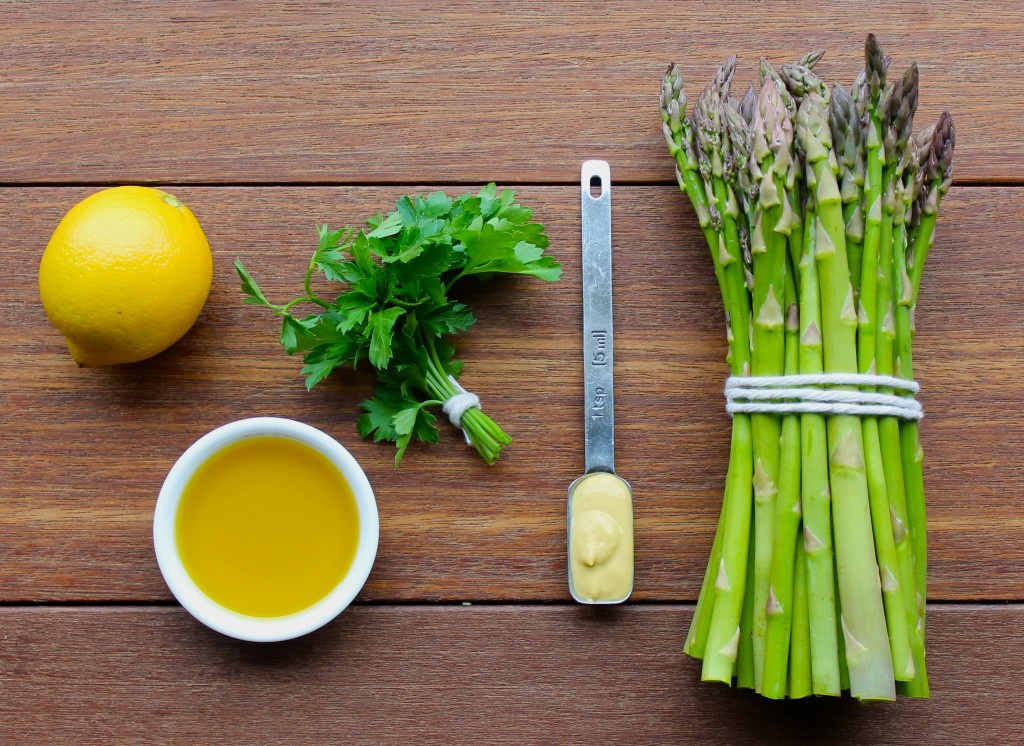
(600,506)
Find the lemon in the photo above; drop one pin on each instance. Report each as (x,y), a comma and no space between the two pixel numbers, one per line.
(125,275)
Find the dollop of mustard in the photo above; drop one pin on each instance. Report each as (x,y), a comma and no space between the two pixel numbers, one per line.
(601,539)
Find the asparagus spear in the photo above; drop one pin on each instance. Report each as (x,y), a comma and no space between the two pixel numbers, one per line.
(737,174)
(884,101)
(846,131)
(745,656)
(883,461)
(863,619)
(781,593)
(814,488)
(773,135)
(678,132)
(747,109)
(790,223)
(938,175)
(800,672)
(890,433)
(724,632)
(904,177)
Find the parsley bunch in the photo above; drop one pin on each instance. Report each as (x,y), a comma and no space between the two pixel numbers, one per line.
(396,310)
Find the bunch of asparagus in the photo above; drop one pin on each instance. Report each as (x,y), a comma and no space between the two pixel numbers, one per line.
(818,206)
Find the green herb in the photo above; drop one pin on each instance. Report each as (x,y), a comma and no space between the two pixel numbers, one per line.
(396,310)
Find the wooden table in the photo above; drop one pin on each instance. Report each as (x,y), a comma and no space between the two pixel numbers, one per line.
(267,118)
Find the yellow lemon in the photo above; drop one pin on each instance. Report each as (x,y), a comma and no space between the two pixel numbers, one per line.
(125,275)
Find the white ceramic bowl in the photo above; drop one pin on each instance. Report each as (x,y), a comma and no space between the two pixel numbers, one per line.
(241,626)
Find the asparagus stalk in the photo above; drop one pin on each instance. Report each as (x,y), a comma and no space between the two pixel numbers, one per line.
(800,671)
(882,101)
(736,170)
(772,142)
(863,619)
(844,669)
(938,174)
(678,133)
(781,598)
(814,488)
(799,80)
(911,451)
(885,490)
(890,433)
(873,97)
(745,657)
(730,579)
(902,107)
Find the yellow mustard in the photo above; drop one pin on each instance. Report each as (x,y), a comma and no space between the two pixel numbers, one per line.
(601,539)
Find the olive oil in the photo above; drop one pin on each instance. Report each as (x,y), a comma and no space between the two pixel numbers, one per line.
(267,526)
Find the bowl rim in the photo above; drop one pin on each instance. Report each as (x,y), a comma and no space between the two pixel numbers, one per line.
(213,614)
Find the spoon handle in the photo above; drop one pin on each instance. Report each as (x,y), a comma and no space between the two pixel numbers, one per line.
(599,417)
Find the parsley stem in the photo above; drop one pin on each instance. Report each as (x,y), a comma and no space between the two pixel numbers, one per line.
(459,276)
(484,434)
(310,295)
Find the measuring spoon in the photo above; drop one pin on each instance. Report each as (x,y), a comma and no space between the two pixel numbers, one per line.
(600,504)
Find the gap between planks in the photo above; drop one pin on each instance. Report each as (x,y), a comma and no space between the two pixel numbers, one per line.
(163,603)
(431,184)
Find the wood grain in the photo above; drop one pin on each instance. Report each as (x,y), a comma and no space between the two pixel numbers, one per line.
(491,674)
(452,92)
(85,451)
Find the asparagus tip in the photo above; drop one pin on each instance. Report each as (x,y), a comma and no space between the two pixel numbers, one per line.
(875,65)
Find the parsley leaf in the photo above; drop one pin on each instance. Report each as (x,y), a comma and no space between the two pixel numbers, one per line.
(382,325)
(250,288)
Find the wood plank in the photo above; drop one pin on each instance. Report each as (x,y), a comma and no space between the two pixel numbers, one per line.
(464,92)
(561,674)
(85,451)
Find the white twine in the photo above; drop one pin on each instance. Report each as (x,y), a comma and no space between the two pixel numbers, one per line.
(798,394)
(458,404)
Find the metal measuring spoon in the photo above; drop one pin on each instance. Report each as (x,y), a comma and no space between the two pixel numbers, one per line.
(600,503)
